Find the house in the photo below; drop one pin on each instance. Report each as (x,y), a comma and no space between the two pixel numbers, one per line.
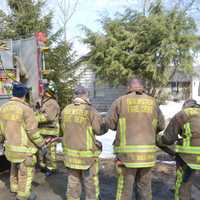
(181,87)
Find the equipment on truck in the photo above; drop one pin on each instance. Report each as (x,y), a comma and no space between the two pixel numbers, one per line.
(22,61)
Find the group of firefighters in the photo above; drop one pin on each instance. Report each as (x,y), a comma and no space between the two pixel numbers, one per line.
(29,136)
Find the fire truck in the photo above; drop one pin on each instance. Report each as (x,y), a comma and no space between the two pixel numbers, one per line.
(22,60)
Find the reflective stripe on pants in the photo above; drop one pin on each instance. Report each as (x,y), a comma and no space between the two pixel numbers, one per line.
(184,176)
(50,160)
(90,180)
(21,177)
(126,179)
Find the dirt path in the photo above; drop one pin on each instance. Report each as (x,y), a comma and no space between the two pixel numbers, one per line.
(53,188)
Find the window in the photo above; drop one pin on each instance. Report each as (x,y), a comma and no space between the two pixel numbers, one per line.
(174,87)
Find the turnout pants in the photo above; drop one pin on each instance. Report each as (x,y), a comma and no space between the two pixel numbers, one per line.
(49,161)
(184,177)
(90,180)
(127,177)
(21,176)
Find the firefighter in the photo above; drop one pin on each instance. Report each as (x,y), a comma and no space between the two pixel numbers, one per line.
(48,119)
(184,131)
(80,123)
(22,140)
(136,118)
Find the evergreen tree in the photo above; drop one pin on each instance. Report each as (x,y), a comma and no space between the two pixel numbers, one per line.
(152,46)
(25,18)
(62,71)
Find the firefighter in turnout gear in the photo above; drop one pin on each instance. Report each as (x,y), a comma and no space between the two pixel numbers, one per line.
(48,119)
(21,140)
(184,131)
(136,118)
(80,123)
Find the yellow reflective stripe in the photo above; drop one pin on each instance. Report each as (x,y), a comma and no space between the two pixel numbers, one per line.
(49,131)
(52,162)
(96,180)
(13,187)
(77,153)
(24,137)
(187,134)
(29,180)
(27,191)
(192,111)
(91,137)
(187,149)
(71,198)
(12,117)
(179,181)
(37,138)
(20,149)
(135,149)
(122,126)
(120,184)
(89,141)
(41,118)
(140,165)
(76,166)
(12,158)
(154,123)
(194,166)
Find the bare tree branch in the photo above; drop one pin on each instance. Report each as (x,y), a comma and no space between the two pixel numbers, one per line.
(67,12)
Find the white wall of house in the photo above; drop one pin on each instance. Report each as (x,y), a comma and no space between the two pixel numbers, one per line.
(196,89)
(196,84)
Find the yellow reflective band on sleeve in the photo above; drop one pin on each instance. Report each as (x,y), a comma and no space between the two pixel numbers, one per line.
(188,149)
(154,123)
(135,149)
(83,154)
(20,149)
(194,166)
(49,131)
(192,111)
(89,139)
(122,127)
(37,138)
(187,134)
(41,118)
(139,165)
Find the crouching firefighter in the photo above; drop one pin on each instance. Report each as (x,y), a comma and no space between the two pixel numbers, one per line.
(184,131)
(48,119)
(22,140)
(80,123)
(136,118)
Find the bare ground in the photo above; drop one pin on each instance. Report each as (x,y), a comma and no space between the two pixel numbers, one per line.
(54,187)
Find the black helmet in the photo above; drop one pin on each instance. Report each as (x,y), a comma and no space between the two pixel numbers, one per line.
(190,103)
(19,90)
